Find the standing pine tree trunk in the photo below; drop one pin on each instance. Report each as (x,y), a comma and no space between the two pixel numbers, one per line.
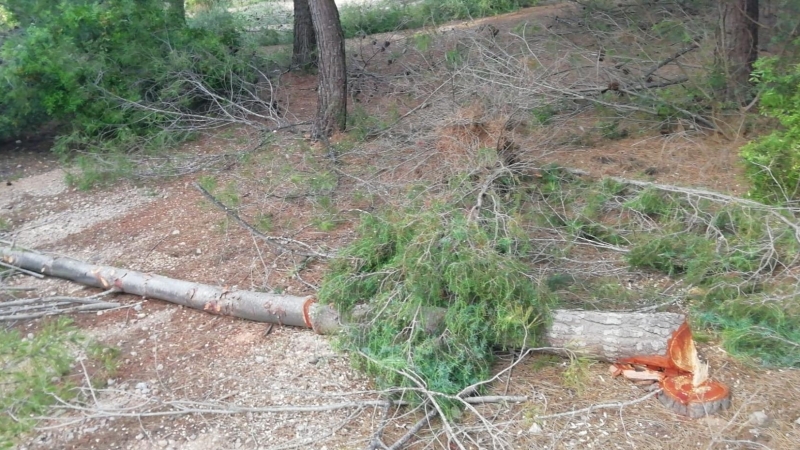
(741,48)
(305,43)
(332,84)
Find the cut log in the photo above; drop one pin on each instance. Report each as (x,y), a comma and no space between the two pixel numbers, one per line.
(660,343)
(256,306)
(612,336)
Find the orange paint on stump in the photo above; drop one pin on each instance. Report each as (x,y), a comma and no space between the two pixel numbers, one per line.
(675,370)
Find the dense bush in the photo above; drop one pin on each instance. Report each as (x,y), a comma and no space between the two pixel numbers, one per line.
(773,162)
(83,63)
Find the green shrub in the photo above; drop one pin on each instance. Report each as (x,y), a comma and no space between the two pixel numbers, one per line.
(653,203)
(751,325)
(406,266)
(612,131)
(84,63)
(773,161)
(36,373)
(679,254)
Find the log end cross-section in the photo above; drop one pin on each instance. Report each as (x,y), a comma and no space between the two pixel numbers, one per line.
(685,386)
(681,396)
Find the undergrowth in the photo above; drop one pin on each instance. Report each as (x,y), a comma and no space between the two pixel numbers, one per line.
(36,372)
(773,161)
(735,253)
(434,293)
(751,323)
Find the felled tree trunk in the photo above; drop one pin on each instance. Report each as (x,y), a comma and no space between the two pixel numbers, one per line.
(659,345)
(600,335)
(607,336)
(257,306)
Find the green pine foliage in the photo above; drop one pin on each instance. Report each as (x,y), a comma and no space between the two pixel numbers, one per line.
(434,294)
(773,161)
(82,63)
(38,371)
(752,325)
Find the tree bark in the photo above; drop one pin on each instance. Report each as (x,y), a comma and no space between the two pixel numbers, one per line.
(257,306)
(741,47)
(332,82)
(607,336)
(613,336)
(305,42)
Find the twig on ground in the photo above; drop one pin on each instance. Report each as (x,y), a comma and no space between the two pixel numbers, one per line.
(33,308)
(400,443)
(82,308)
(614,405)
(13,288)
(674,56)
(280,242)
(377,441)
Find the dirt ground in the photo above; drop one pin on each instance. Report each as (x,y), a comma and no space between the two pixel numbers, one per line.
(186,359)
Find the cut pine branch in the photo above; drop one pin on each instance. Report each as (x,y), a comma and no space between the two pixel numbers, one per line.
(657,342)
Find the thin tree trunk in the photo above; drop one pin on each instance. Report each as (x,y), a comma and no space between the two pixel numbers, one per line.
(332,84)
(305,42)
(741,47)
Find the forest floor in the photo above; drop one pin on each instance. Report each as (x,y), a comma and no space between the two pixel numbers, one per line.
(172,354)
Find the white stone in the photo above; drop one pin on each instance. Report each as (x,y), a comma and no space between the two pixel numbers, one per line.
(759,418)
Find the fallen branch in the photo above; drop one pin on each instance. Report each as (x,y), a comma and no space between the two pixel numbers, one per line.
(377,441)
(696,192)
(154,407)
(717,197)
(400,443)
(26,272)
(83,308)
(33,308)
(615,405)
(631,89)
